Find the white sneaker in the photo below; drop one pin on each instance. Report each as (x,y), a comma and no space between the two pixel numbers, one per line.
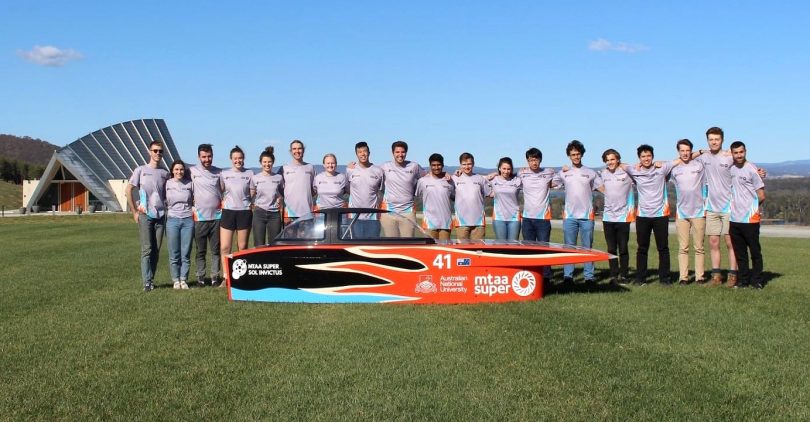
(183,285)
(177,285)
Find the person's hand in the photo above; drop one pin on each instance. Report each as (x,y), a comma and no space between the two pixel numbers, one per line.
(762,172)
(351,165)
(287,220)
(447,175)
(492,175)
(457,172)
(135,216)
(658,164)
(565,168)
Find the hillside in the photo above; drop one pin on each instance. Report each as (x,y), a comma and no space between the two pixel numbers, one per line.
(26,149)
(10,195)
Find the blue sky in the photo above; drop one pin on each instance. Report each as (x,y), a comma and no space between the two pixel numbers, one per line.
(491,78)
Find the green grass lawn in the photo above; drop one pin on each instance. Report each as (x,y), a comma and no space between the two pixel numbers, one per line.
(81,340)
(10,195)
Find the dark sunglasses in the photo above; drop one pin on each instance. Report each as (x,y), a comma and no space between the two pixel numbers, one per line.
(157,151)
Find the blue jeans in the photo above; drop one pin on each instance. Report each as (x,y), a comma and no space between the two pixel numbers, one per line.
(583,227)
(180,232)
(506,230)
(538,230)
(151,234)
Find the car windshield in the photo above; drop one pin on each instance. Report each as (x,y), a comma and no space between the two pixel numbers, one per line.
(310,227)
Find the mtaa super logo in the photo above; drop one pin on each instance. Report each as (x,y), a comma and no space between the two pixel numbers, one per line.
(522,283)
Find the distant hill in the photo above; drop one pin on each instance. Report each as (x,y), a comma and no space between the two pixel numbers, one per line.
(26,149)
(798,168)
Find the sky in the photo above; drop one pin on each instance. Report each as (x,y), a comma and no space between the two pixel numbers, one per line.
(489,78)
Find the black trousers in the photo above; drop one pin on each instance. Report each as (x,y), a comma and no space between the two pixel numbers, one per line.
(745,238)
(659,226)
(617,235)
(266,226)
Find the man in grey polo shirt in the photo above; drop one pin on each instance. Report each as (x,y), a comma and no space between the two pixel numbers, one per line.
(365,183)
(689,177)
(149,210)
(401,177)
(207,212)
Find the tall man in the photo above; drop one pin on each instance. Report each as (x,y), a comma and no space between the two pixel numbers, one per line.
(365,183)
(688,177)
(619,211)
(437,192)
(652,215)
(579,183)
(748,196)
(536,181)
(207,212)
(471,190)
(400,179)
(149,210)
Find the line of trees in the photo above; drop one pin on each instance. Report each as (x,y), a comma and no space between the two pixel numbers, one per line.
(15,171)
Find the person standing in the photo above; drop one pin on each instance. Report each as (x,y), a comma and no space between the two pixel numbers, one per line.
(149,210)
(437,193)
(298,177)
(536,182)
(179,224)
(689,180)
(236,214)
(619,211)
(330,186)
(365,183)
(207,212)
(471,191)
(748,196)
(505,205)
(579,183)
(652,215)
(266,189)
(399,182)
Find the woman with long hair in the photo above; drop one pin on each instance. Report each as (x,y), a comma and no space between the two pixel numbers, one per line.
(266,189)
(180,224)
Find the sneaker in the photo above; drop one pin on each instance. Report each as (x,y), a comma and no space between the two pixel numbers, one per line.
(613,281)
(701,281)
(640,282)
(148,287)
(222,283)
(183,285)
(624,280)
(215,281)
(717,279)
(201,281)
(758,286)
(683,282)
(590,282)
(176,285)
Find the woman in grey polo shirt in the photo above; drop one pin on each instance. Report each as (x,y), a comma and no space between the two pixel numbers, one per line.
(180,224)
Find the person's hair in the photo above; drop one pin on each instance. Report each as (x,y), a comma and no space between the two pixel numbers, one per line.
(575,145)
(329,154)
(465,156)
(686,142)
(436,157)
(268,152)
(715,131)
(643,148)
(296,141)
(737,144)
(361,144)
(176,162)
(506,160)
(205,148)
(534,153)
(401,144)
(610,151)
(236,149)
(156,142)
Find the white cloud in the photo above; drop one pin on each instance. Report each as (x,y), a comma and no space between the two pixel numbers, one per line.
(48,55)
(602,44)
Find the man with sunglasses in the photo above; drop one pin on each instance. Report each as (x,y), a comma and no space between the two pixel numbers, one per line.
(149,210)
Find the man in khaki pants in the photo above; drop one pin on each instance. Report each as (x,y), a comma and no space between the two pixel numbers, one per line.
(689,179)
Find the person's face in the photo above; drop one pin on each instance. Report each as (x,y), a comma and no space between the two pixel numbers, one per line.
(685,153)
(646,158)
(329,164)
(467,166)
(156,153)
(715,142)
(178,171)
(362,155)
(505,170)
(399,155)
(576,157)
(267,164)
(436,168)
(738,154)
(534,163)
(297,151)
(206,159)
(612,162)
(238,160)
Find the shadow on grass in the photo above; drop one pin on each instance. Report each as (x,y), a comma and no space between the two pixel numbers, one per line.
(602,285)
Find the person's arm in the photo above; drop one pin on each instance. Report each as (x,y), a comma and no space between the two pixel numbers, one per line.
(492,175)
(132,201)
(761,195)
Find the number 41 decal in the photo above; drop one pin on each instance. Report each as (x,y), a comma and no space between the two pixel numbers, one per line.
(441,261)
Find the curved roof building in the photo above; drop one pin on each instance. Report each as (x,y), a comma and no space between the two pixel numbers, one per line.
(94,169)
